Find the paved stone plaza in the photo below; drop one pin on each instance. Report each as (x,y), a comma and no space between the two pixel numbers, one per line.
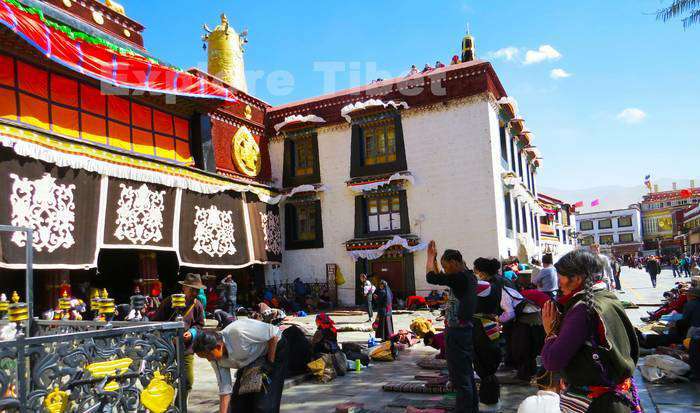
(366,387)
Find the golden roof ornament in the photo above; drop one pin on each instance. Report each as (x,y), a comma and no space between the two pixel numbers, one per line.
(104,293)
(225,53)
(115,7)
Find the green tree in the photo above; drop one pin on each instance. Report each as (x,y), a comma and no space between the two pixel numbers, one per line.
(687,10)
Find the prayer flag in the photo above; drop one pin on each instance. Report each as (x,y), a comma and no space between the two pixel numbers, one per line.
(595,202)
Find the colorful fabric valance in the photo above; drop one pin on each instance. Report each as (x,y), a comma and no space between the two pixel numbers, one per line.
(102,60)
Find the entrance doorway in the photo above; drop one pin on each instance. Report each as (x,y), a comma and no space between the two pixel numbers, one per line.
(391,271)
(395,267)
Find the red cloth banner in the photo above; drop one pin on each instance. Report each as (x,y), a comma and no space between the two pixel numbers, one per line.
(100,62)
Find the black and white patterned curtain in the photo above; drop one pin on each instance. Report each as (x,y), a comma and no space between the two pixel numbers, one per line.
(139,215)
(212,231)
(60,204)
(265,229)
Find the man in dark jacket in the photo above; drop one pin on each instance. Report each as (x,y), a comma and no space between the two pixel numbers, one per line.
(458,322)
(653,268)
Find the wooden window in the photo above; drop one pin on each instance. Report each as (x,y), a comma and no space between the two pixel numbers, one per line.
(606,239)
(626,238)
(586,225)
(306,225)
(379,142)
(303,226)
(587,240)
(383,214)
(625,221)
(303,156)
(605,224)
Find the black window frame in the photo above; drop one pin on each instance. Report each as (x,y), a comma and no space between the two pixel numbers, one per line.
(361,215)
(580,225)
(607,236)
(504,142)
(602,220)
(631,237)
(513,153)
(289,178)
(619,222)
(357,143)
(518,227)
(524,217)
(291,240)
(507,203)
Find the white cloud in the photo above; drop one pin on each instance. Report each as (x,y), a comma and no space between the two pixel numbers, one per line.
(507,53)
(545,52)
(559,74)
(631,115)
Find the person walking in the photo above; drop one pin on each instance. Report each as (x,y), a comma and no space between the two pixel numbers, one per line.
(607,269)
(384,325)
(653,268)
(228,291)
(617,270)
(368,291)
(253,348)
(675,266)
(193,319)
(685,265)
(546,279)
(590,341)
(458,322)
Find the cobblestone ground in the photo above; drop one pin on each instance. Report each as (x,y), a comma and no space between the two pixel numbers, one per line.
(366,386)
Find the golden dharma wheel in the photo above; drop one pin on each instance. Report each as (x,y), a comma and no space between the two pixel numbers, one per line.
(178,300)
(246,152)
(18,312)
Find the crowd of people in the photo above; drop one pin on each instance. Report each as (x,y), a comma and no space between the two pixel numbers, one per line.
(513,312)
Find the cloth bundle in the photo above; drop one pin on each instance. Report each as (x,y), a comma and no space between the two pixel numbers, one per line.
(384,352)
(329,366)
(421,326)
(658,367)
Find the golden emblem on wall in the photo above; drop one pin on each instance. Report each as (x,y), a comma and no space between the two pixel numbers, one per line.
(666,223)
(248,112)
(246,152)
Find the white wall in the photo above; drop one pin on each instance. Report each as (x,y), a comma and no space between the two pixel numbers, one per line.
(450,149)
(636,227)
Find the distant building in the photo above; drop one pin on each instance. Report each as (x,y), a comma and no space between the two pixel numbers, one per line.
(691,230)
(557,226)
(618,231)
(662,218)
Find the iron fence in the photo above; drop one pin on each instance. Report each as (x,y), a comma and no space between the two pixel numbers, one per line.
(86,366)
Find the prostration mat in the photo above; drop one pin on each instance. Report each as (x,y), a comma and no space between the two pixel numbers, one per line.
(447,404)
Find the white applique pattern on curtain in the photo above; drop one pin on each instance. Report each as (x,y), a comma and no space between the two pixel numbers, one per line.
(271,229)
(213,233)
(45,207)
(140,214)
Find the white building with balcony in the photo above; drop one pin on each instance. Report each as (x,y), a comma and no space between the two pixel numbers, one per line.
(618,231)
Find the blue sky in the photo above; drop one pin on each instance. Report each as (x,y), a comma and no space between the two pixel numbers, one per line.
(629,107)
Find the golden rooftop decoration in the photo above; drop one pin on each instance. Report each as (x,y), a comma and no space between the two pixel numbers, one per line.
(246,152)
(115,7)
(56,401)
(111,368)
(158,395)
(225,53)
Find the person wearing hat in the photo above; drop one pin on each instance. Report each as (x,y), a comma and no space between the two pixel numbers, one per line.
(192,317)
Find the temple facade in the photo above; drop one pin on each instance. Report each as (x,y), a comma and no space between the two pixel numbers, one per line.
(371,174)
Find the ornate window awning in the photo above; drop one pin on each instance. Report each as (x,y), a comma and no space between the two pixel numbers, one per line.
(517,126)
(298,121)
(532,151)
(509,106)
(525,137)
(301,191)
(102,59)
(371,183)
(365,106)
(373,248)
